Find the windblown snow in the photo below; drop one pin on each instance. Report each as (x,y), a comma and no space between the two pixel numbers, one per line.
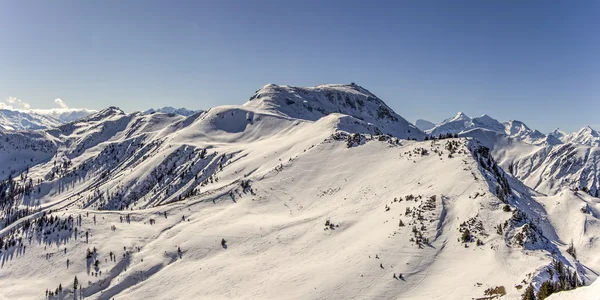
(300,193)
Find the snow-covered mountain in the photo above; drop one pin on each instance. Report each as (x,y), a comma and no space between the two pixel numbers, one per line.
(461,124)
(557,133)
(312,193)
(313,103)
(171,110)
(585,136)
(16,120)
(39,119)
(424,124)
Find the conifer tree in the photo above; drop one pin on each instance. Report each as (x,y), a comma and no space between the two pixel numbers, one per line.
(529,293)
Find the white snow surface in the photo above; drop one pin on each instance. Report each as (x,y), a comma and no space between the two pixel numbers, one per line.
(307,186)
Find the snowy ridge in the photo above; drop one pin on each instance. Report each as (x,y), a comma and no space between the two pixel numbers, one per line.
(585,136)
(312,103)
(266,200)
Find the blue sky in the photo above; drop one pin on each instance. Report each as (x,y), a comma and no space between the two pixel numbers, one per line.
(535,61)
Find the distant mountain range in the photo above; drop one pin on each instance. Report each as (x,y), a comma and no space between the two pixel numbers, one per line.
(35,119)
(171,110)
(461,124)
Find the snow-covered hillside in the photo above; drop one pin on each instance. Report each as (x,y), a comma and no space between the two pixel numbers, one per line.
(300,193)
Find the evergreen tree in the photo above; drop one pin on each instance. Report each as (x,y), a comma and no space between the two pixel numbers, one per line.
(546,289)
(529,293)
(571,250)
(75,283)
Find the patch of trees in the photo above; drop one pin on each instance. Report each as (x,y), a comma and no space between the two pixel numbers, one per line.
(441,136)
(561,279)
(487,162)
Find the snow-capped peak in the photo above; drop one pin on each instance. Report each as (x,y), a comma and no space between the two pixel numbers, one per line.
(587,130)
(585,136)
(461,123)
(460,116)
(424,125)
(557,133)
(313,103)
(458,123)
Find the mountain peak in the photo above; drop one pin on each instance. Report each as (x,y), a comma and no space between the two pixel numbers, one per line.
(424,124)
(461,116)
(588,131)
(587,128)
(313,103)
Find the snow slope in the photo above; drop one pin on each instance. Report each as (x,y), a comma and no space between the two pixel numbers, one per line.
(548,169)
(312,198)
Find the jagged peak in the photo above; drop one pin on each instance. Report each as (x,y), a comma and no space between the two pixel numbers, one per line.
(587,128)
(461,116)
(109,112)
(517,124)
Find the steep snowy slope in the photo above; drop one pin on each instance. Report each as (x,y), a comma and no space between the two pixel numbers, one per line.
(290,224)
(548,169)
(591,292)
(312,103)
(271,200)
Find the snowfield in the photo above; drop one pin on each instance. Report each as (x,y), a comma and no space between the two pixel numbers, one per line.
(301,193)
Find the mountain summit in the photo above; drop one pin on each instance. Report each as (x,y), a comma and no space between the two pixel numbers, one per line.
(312,103)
